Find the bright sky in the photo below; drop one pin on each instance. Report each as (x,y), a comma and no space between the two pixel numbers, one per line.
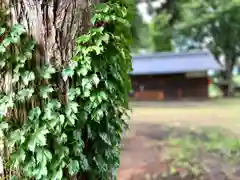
(143,9)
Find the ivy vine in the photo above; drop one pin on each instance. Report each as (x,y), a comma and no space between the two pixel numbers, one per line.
(76,132)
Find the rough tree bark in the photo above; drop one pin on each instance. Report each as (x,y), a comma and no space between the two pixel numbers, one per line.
(54,24)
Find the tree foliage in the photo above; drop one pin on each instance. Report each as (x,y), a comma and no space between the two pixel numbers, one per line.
(215,25)
(161,33)
(75,134)
(160,30)
(140,34)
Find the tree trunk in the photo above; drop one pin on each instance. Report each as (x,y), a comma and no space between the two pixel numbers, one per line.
(229,77)
(230,84)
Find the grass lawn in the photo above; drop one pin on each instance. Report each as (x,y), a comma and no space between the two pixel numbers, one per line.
(222,113)
(200,138)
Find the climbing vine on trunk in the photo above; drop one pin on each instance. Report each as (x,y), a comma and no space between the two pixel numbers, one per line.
(73,132)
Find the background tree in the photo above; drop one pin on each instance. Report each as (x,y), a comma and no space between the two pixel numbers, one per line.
(161,33)
(160,29)
(140,34)
(215,25)
(173,8)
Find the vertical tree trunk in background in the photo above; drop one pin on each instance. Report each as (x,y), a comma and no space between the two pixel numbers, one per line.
(230,84)
(229,77)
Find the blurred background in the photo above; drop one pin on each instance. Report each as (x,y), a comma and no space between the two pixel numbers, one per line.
(188,25)
(185,91)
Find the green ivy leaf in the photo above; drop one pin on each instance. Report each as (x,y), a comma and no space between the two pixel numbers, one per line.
(71,119)
(16,77)
(77,135)
(98,31)
(62,152)
(86,93)
(2,31)
(97,49)
(83,39)
(58,129)
(67,72)
(48,114)
(86,51)
(97,115)
(47,154)
(95,18)
(40,156)
(104,38)
(73,167)
(53,122)
(18,157)
(53,104)
(63,138)
(28,55)
(15,137)
(84,165)
(83,71)
(25,94)
(2,63)
(6,42)
(78,148)
(61,119)
(38,138)
(29,164)
(31,44)
(32,145)
(46,72)
(3,110)
(58,175)
(105,138)
(85,82)
(2,49)
(34,113)
(14,178)
(21,59)
(17,29)
(73,93)
(90,133)
(3,126)
(15,39)
(28,76)
(95,79)
(88,86)
(7,102)
(103,95)
(45,90)
(73,106)
(40,172)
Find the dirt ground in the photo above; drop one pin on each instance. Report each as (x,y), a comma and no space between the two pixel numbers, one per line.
(144,144)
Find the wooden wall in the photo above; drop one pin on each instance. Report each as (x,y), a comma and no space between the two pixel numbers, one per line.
(169,87)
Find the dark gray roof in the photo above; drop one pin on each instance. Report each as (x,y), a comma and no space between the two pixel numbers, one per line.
(169,63)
